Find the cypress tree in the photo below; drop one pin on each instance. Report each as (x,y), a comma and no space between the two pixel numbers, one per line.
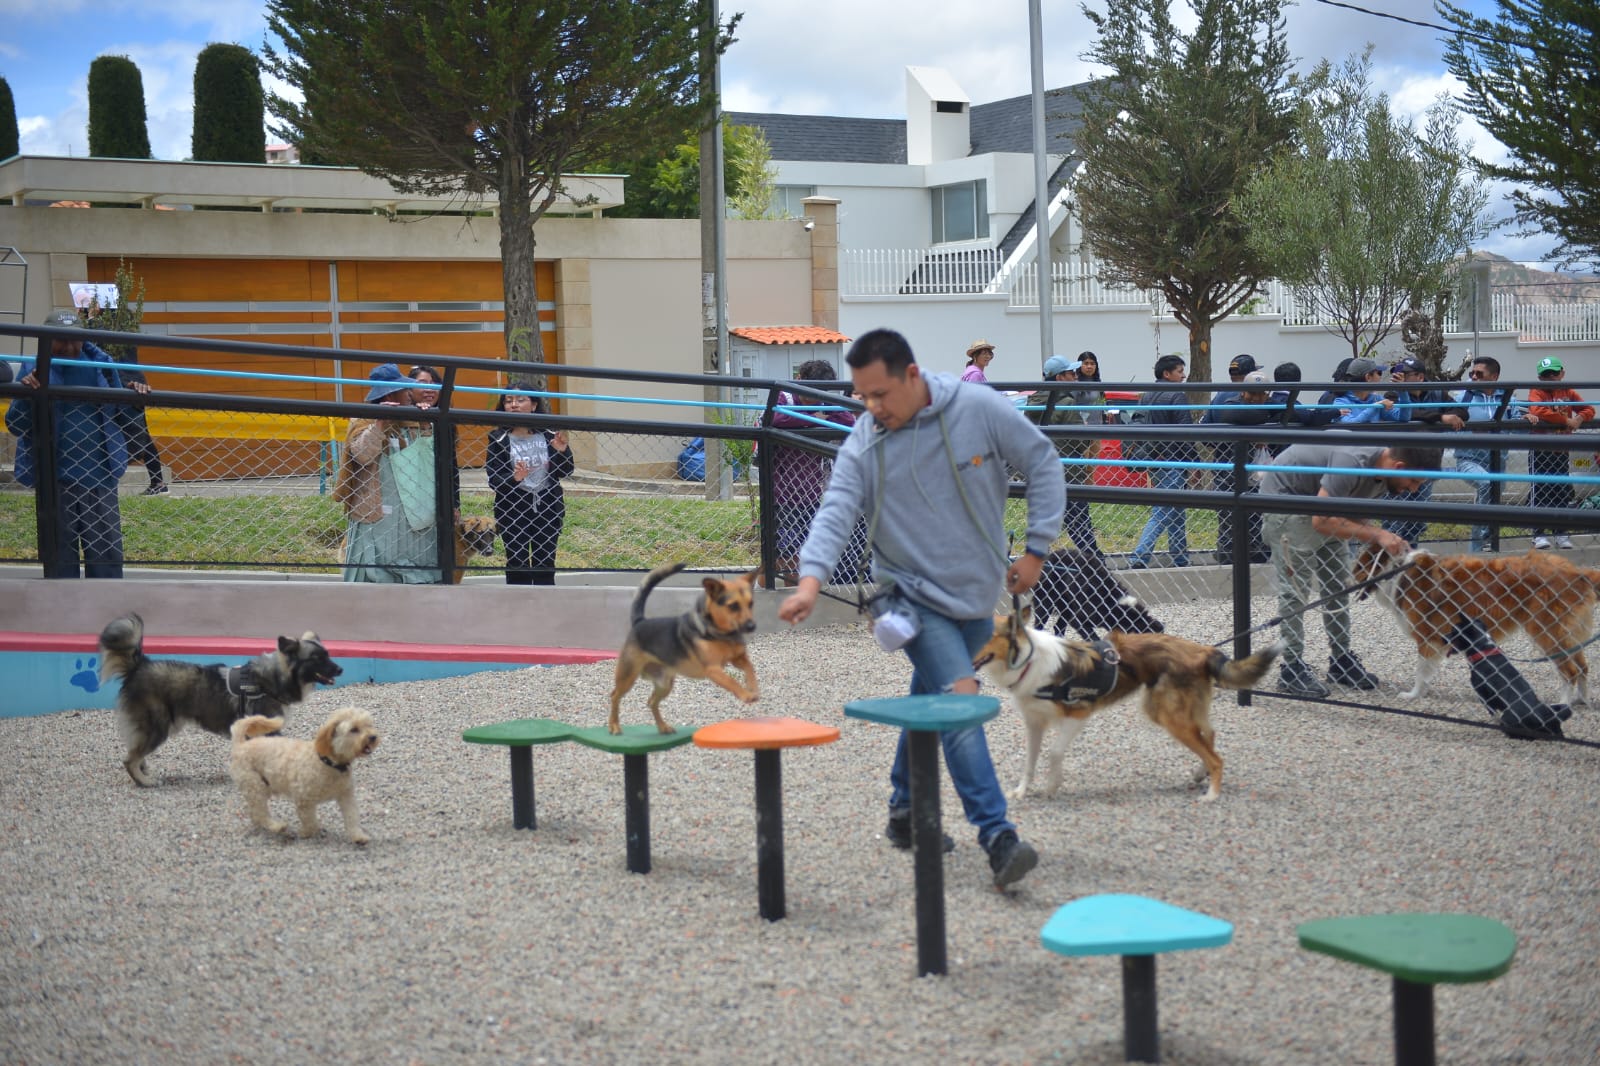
(229,108)
(116,110)
(8,121)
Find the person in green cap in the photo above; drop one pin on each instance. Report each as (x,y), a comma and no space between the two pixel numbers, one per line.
(1553,408)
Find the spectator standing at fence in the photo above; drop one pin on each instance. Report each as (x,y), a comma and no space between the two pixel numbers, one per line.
(1553,408)
(1293,413)
(1361,404)
(386,484)
(1057,408)
(1309,556)
(1483,402)
(929,468)
(1432,408)
(799,477)
(425,375)
(141,447)
(1166,520)
(1089,370)
(91,455)
(980,353)
(525,466)
(1251,406)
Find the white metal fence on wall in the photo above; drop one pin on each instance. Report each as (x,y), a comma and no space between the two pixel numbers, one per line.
(889,272)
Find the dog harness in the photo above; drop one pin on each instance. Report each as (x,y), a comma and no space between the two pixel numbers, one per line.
(244,687)
(1090,686)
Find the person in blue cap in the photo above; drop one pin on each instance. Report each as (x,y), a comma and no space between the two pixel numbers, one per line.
(386,483)
(91,455)
(1060,407)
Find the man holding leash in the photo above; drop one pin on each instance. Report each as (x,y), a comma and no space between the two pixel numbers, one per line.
(927,466)
(1308,551)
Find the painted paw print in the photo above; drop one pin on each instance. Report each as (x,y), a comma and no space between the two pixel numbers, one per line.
(88,675)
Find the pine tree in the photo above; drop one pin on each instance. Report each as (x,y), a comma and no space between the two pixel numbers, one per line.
(1533,81)
(488,98)
(1169,141)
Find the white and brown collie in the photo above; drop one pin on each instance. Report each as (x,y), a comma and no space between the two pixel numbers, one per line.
(1054,681)
(1541,593)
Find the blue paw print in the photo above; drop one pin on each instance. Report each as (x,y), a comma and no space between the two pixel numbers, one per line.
(88,675)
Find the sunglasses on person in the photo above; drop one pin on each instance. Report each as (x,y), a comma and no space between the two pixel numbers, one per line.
(1477,375)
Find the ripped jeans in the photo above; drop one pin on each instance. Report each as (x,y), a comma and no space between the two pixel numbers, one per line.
(940,656)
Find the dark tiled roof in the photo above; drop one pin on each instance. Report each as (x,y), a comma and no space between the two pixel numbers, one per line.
(828,139)
(1007,125)
(1003,126)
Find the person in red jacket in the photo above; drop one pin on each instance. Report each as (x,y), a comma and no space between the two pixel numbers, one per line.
(1553,409)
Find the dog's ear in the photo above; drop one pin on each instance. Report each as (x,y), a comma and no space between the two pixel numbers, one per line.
(712,585)
(324,741)
(750,577)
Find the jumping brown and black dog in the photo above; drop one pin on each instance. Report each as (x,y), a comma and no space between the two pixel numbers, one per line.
(701,642)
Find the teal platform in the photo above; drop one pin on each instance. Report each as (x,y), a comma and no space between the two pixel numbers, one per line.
(924,718)
(1138,929)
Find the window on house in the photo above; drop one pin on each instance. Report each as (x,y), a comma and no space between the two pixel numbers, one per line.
(960,212)
(786,199)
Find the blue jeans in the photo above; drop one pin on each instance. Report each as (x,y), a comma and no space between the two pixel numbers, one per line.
(1472,464)
(1169,520)
(940,656)
(1409,529)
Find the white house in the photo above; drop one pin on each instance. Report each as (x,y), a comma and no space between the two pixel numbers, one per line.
(936,239)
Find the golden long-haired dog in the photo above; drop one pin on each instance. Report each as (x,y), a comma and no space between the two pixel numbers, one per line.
(1541,593)
(308,772)
(701,642)
(1054,681)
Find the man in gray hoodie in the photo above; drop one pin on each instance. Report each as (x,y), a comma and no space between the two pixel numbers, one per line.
(927,466)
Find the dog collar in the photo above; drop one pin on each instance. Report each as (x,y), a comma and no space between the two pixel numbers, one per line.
(342,767)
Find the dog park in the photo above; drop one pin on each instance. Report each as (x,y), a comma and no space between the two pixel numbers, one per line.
(157,924)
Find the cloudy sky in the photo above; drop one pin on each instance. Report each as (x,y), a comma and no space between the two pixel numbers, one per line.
(834,57)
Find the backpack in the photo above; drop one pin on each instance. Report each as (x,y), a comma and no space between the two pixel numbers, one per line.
(1138,450)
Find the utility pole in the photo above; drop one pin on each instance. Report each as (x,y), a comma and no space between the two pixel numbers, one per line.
(713,253)
(1041,186)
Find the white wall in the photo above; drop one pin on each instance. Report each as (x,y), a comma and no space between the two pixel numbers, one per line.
(1128,339)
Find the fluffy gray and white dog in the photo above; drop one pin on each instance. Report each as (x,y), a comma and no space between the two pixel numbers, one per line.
(159,695)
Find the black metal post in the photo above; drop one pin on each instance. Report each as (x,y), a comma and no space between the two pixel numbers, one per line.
(1239,516)
(446,492)
(927,843)
(769,833)
(46,460)
(636,783)
(1413,1024)
(522,816)
(1141,1039)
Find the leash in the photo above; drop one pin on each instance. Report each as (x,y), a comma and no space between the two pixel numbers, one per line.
(1279,619)
(1404,713)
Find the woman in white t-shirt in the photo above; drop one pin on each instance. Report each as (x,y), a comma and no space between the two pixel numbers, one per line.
(525,466)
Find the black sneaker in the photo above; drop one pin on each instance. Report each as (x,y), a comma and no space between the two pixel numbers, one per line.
(1347,670)
(1010,858)
(1296,679)
(157,488)
(898,832)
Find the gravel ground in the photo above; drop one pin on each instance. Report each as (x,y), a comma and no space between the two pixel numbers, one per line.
(156,926)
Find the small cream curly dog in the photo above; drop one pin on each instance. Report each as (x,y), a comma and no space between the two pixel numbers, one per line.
(308,772)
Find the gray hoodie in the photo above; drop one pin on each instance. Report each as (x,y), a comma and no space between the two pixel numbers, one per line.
(926,541)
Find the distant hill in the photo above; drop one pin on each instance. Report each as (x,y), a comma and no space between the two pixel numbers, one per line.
(1534,286)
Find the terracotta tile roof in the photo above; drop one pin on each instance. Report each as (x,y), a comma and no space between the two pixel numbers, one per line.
(790,335)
